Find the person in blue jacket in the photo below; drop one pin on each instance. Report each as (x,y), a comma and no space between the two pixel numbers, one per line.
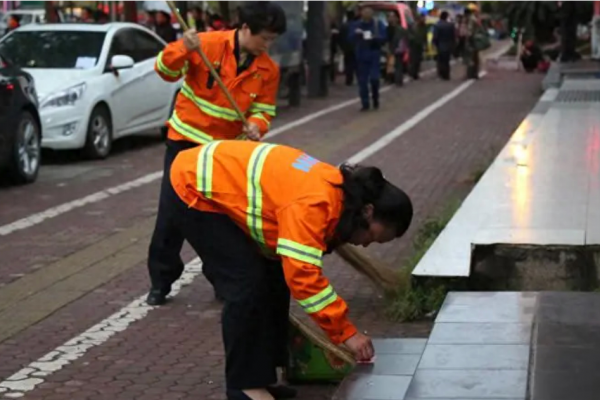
(368,35)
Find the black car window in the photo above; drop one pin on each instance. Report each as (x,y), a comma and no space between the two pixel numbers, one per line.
(146,45)
(53,49)
(122,44)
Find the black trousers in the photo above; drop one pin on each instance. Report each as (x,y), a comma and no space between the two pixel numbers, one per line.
(349,66)
(165,265)
(416,57)
(443,64)
(256,298)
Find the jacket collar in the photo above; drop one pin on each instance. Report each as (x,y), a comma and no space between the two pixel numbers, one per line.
(261,61)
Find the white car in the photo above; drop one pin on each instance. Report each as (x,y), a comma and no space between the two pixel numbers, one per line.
(95,83)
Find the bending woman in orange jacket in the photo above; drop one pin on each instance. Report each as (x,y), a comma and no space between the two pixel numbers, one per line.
(261,217)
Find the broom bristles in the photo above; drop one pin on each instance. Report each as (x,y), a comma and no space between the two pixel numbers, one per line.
(380,274)
(319,339)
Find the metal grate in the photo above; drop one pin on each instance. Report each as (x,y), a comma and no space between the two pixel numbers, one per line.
(578,96)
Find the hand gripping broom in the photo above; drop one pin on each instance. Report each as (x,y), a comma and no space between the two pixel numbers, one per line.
(383,276)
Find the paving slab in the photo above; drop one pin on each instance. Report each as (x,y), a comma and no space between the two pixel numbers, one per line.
(484,384)
(481,333)
(566,347)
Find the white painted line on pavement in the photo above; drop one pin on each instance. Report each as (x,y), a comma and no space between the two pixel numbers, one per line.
(37,218)
(310,117)
(32,375)
(414,120)
(40,217)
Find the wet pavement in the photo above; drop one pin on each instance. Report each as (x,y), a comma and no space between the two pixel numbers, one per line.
(75,261)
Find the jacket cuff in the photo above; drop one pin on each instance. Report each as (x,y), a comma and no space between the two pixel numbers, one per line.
(180,47)
(346,332)
(261,123)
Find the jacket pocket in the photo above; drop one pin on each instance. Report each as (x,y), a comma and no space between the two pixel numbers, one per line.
(248,90)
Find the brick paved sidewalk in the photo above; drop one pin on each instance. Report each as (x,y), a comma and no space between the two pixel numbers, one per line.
(66,266)
(176,353)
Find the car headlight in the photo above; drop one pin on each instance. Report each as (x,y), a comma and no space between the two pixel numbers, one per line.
(67,97)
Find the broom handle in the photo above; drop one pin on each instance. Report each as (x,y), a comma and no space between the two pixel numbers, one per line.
(214,73)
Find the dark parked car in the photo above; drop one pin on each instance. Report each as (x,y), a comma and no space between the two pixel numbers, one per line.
(20,127)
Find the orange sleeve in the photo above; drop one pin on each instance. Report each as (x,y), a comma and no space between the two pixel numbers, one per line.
(172,63)
(301,245)
(262,109)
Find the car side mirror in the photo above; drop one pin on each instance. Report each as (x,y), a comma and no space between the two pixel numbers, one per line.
(121,62)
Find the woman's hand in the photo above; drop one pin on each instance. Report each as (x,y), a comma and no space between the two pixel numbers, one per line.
(362,347)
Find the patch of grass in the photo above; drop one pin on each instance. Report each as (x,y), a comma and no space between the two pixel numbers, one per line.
(477,174)
(413,302)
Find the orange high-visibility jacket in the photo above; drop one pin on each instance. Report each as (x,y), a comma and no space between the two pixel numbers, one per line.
(202,112)
(286,201)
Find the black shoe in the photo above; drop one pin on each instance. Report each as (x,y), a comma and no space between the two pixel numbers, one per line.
(156,297)
(282,392)
(233,394)
(376,105)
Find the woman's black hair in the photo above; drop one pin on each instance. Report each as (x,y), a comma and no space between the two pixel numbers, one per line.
(262,16)
(366,185)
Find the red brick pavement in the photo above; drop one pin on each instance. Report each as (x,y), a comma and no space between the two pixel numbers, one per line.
(175,352)
(62,181)
(33,248)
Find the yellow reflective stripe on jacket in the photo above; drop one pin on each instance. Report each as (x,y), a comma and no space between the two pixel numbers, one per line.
(255,195)
(189,131)
(162,68)
(262,107)
(204,169)
(319,301)
(207,107)
(301,252)
(261,117)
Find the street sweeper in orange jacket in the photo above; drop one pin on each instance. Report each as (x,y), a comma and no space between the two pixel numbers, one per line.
(203,113)
(261,217)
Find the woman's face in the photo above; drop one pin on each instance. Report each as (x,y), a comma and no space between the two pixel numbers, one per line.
(377,232)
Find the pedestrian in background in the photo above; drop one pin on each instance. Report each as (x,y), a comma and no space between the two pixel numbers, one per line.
(347,47)
(444,39)
(398,47)
(87,15)
(164,28)
(198,16)
(417,43)
(368,36)
(13,23)
(203,114)
(470,29)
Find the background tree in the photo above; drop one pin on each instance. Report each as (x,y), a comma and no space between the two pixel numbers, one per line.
(538,18)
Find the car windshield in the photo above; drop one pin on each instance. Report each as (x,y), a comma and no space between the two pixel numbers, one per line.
(53,49)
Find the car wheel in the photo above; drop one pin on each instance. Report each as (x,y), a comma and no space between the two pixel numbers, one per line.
(99,134)
(26,158)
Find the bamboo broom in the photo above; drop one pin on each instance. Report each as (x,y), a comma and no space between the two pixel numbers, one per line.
(383,276)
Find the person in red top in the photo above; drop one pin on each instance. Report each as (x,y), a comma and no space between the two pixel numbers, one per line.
(202,112)
(261,217)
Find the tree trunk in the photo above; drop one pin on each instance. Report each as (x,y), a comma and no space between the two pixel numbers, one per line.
(568,31)
(51,15)
(130,11)
(315,32)
(224,11)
